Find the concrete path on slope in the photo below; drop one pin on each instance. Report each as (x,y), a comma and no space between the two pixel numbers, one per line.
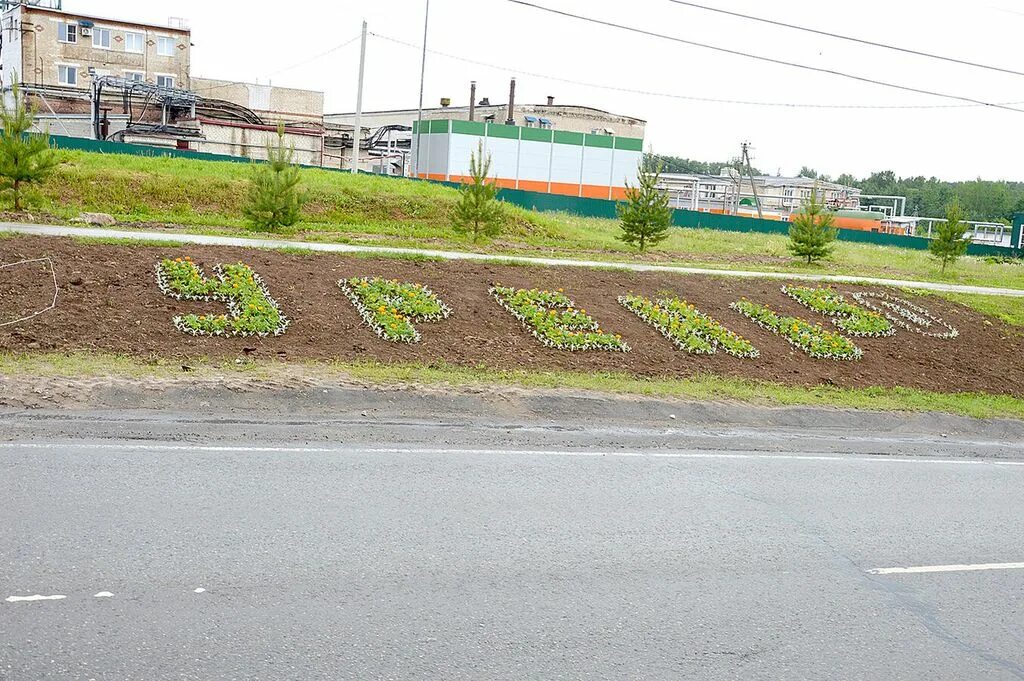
(247,242)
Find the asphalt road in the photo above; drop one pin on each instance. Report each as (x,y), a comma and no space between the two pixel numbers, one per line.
(391,550)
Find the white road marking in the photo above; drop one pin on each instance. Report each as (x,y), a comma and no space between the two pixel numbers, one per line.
(946,568)
(37,597)
(200,590)
(104,594)
(685,454)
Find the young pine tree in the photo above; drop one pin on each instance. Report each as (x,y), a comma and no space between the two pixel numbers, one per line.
(478,212)
(25,158)
(645,216)
(950,240)
(274,199)
(812,232)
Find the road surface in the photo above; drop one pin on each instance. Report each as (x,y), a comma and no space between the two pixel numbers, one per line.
(144,545)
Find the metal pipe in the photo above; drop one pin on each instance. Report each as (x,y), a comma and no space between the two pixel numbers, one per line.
(472,99)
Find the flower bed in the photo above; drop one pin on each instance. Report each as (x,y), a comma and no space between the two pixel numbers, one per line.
(390,307)
(851,318)
(251,310)
(554,320)
(813,339)
(687,327)
(906,315)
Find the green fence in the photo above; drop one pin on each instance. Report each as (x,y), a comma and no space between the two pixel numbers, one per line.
(596,208)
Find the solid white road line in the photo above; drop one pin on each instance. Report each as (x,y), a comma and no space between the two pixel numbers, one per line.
(683,454)
(946,568)
(30,599)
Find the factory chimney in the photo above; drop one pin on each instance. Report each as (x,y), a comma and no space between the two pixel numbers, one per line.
(472,98)
(511,103)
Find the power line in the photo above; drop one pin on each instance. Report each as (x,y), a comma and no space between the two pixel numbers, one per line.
(669,95)
(771,60)
(861,41)
(321,55)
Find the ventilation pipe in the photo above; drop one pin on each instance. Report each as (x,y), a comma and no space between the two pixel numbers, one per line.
(551,100)
(511,103)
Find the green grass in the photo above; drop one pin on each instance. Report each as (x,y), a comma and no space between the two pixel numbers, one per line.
(206,197)
(703,387)
(1009,310)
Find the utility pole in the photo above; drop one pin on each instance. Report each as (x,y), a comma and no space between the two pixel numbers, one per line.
(357,131)
(423,75)
(745,162)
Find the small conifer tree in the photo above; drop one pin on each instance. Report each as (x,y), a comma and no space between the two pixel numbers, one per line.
(950,240)
(812,233)
(478,213)
(274,199)
(25,158)
(645,217)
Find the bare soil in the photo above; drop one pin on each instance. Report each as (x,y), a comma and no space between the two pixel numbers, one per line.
(109,302)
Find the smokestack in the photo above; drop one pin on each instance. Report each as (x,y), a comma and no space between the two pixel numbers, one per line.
(472,98)
(551,100)
(511,103)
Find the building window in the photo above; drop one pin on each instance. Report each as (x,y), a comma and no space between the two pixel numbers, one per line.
(134,76)
(67,33)
(101,38)
(165,81)
(67,75)
(165,47)
(134,42)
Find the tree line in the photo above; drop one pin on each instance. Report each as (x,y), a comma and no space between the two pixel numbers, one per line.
(982,200)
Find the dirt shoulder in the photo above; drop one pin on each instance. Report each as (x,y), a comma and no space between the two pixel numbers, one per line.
(109,302)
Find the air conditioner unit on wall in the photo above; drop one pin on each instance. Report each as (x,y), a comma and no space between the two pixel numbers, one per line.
(85,31)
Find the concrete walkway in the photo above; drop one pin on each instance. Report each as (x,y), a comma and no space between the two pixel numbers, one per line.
(246,242)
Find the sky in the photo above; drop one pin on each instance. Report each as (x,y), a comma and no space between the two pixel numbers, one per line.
(297,45)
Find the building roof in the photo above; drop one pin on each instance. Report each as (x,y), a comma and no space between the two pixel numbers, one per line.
(465,107)
(111,20)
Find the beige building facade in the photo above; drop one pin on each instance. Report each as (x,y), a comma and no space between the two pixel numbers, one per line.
(270,102)
(49,48)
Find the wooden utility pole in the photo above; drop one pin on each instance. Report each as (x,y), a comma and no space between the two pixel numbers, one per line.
(745,163)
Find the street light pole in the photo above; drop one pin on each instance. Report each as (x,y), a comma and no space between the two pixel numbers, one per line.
(357,130)
(423,75)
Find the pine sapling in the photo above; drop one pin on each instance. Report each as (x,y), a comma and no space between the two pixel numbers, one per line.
(26,158)
(478,212)
(812,233)
(950,240)
(645,217)
(274,198)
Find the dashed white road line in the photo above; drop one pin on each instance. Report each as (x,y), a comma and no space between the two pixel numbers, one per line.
(682,454)
(30,599)
(971,567)
(104,594)
(200,590)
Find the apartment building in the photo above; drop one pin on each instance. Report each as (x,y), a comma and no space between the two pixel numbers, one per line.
(49,50)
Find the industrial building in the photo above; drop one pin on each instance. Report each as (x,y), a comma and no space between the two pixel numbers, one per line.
(387,135)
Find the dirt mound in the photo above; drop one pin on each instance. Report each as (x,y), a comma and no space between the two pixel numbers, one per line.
(109,301)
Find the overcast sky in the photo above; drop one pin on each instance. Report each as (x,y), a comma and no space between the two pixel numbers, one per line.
(563,57)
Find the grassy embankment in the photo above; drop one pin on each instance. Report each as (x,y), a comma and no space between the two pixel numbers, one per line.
(207,196)
(702,387)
